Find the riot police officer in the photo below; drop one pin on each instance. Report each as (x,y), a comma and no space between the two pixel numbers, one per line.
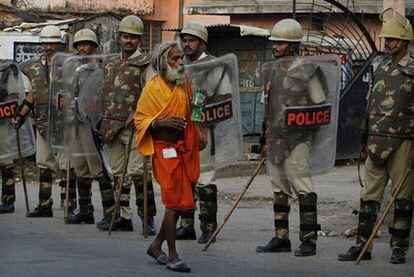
(38,71)
(293,148)
(389,139)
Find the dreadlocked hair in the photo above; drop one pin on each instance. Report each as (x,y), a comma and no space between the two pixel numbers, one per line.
(160,53)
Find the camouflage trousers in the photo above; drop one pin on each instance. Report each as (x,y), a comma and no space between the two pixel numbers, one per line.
(400,229)
(207,196)
(72,188)
(85,195)
(105,187)
(8,194)
(48,162)
(116,151)
(377,176)
(89,168)
(376,179)
(285,177)
(307,216)
(138,182)
(84,186)
(45,187)
(107,193)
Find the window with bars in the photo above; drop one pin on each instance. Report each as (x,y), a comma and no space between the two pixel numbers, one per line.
(152,35)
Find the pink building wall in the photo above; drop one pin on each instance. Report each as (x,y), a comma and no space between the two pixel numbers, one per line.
(168,11)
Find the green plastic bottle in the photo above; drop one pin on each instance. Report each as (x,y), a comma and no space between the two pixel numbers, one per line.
(197,107)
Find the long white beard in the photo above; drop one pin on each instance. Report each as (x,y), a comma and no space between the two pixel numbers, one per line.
(175,75)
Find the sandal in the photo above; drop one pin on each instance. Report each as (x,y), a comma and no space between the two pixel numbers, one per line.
(178,266)
(161,258)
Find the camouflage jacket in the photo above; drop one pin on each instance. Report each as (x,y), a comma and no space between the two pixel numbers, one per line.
(123,84)
(39,74)
(287,88)
(390,107)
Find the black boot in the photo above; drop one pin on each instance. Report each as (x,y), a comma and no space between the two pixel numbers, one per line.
(85,214)
(105,221)
(353,253)
(120,224)
(41,211)
(398,256)
(306,248)
(186,230)
(151,226)
(205,236)
(185,234)
(275,245)
(86,218)
(6,208)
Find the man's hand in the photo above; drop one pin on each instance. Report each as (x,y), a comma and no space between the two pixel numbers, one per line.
(17,121)
(129,123)
(172,122)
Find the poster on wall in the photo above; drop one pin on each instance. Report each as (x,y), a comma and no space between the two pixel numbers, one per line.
(24,51)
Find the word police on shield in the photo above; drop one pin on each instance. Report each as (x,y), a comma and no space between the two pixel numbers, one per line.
(8,109)
(217,112)
(308,116)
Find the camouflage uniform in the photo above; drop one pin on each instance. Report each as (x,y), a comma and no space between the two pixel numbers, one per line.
(8,195)
(38,72)
(299,89)
(91,165)
(123,83)
(390,134)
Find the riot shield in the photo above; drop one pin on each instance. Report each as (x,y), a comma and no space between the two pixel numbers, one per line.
(83,77)
(217,79)
(11,96)
(302,112)
(57,94)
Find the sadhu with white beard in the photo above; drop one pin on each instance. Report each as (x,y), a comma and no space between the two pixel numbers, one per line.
(164,130)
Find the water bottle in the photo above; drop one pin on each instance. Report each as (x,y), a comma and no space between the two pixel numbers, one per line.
(197,106)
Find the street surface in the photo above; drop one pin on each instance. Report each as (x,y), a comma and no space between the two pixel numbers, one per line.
(48,247)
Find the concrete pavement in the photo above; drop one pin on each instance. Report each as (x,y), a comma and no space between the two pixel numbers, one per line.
(48,247)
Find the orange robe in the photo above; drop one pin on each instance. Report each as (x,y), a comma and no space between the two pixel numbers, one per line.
(176,176)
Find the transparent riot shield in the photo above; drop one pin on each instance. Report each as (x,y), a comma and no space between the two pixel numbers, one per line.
(302,112)
(83,108)
(217,79)
(57,96)
(11,96)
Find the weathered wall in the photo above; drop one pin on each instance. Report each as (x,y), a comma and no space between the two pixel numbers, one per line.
(125,6)
(106,29)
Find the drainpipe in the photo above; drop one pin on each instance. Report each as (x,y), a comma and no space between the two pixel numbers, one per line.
(181,14)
